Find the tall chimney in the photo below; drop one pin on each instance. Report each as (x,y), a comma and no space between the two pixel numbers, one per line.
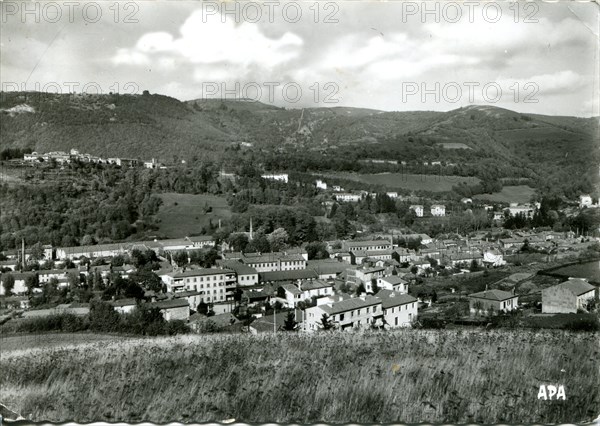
(250,229)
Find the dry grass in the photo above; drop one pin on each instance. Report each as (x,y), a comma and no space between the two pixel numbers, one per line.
(400,376)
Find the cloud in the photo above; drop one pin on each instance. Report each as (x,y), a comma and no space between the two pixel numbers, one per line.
(205,42)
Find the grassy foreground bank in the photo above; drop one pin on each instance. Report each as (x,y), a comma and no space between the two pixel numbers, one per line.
(398,376)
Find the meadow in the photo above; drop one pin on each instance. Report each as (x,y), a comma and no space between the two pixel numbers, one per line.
(509,194)
(424,182)
(183,215)
(402,376)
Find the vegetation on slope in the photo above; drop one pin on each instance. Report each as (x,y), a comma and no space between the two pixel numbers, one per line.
(400,376)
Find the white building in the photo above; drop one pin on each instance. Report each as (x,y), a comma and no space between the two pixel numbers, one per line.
(392,195)
(282,177)
(393,283)
(210,282)
(567,297)
(348,197)
(321,184)
(585,201)
(438,210)
(418,209)
(526,210)
(399,309)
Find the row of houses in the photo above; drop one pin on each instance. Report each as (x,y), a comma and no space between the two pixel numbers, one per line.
(567,297)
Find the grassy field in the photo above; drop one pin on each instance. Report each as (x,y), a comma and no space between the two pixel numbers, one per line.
(182,215)
(433,183)
(509,194)
(401,376)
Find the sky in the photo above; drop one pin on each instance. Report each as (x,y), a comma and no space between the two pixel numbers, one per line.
(394,56)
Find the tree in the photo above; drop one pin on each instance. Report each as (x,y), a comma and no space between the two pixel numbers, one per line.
(238,241)
(36,252)
(360,289)
(290,323)
(278,239)
(8,282)
(325,323)
(474,265)
(316,250)
(374,285)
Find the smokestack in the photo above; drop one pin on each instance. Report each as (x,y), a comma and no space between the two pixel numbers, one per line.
(250,229)
(22,253)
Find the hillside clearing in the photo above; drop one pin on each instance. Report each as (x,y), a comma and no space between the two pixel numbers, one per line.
(401,376)
(183,215)
(509,194)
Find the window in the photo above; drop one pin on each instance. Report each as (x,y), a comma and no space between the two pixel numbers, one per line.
(341,317)
(367,310)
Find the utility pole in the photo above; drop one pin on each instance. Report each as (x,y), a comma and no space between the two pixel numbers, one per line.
(274,320)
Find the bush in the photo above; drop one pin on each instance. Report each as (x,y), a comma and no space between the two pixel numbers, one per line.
(583,323)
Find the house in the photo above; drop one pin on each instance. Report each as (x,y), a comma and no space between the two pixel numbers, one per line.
(492,301)
(418,209)
(498,216)
(493,258)
(211,282)
(326,268)
(245,275)
(321,184)
(392,195)
(8,264)
(348,197)
(278,261)
(289,295)
(464,258)
(364,276)
(342,255)
(152,164)
(193,297)
(438,210)
(399,309)
(282,177)
(337,188)
(92,251)
(393,283)
(20,278)
(124,306)
(173,309)
(316,288)
(467,200)
(345,314)
(585,201)
(511,242)
(568,296)
(202,241)
(254,297)
(367,245)
(524,209)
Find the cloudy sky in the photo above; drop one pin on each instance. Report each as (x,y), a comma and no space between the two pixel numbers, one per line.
(539,58)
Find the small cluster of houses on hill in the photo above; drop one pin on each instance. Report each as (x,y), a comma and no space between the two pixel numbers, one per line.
(74,155)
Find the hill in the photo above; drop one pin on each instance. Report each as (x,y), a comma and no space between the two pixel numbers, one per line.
(403,376)
(496,143)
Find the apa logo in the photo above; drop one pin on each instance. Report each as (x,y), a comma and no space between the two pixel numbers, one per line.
(550,392)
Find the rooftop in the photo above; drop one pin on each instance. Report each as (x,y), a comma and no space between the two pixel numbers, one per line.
(497,295)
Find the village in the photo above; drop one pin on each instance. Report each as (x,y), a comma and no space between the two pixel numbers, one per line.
(379,281)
